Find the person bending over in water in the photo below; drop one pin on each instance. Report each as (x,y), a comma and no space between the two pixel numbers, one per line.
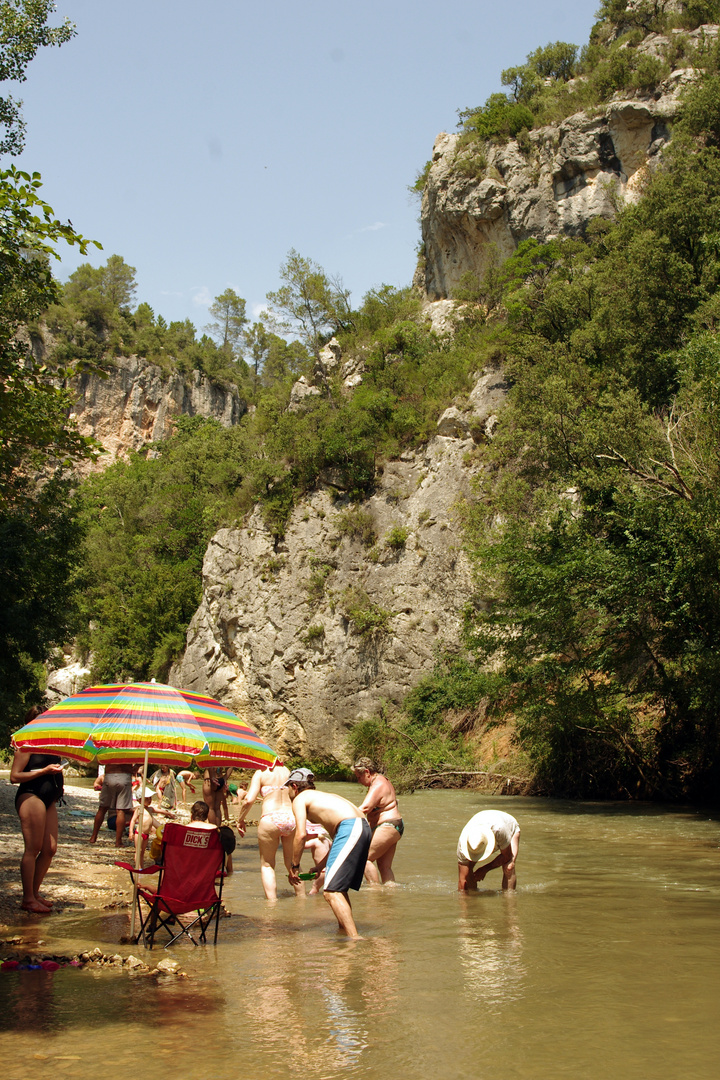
(351,835)
(381,807)
(276,825)
(489,832)
(185,779)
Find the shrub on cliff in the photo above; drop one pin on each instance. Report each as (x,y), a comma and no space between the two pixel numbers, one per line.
(595,530)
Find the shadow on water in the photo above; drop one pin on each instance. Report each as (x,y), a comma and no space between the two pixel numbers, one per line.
(47,1002)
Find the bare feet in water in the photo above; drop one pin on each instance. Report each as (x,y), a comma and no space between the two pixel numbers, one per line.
(35,907)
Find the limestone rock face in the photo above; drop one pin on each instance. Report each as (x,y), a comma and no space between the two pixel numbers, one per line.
(65,681)
(330,364)
(137,402)
(563,176)
(277,636)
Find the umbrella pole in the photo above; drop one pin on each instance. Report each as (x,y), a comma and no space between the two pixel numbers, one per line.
(138,841)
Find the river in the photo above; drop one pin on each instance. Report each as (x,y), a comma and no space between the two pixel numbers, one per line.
(604,963)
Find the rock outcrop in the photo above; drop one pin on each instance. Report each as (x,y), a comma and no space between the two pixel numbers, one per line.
(476,210)
(329,365)
(305,636)
(136,402)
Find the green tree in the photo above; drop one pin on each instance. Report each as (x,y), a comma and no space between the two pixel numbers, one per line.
(34,426)
(256,345)
(309,302)
(23,30)
(554,61)
(38,440)
(148,521)
(118,282)
(229,321)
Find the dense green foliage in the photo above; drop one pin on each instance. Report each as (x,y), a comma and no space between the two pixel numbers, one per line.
(143,555)
(596,534)
(39,535)
(559,79)
(147,522)
(423,744)
(92,320)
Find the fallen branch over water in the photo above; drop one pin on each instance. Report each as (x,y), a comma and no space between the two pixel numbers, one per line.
(431,775)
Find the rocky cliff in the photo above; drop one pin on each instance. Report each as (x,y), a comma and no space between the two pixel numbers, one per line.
(136,403)
(306,636)
(554,182)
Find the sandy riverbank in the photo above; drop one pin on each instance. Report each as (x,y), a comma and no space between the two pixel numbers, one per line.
(82,875)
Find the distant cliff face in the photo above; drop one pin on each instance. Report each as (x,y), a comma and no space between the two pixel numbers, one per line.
(279,634)
(563,176)
(137,401)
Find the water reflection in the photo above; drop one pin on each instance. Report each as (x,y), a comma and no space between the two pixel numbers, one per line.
(490,945)
(614,928)
(33,1002)
(313,997)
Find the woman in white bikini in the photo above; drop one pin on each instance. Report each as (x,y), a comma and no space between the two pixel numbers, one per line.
(276,825)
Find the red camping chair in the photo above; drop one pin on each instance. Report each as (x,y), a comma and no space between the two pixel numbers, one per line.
(190,862)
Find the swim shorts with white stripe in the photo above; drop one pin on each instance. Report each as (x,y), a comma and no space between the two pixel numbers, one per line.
(348,855)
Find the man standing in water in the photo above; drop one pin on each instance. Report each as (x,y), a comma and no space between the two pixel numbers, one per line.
(345,862)
(488,832)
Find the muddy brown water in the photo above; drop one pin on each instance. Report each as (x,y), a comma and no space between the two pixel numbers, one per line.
(604,964)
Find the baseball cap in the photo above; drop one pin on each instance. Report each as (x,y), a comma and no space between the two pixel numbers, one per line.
(299,776)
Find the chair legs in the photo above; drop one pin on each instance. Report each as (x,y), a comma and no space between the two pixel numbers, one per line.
(155,918)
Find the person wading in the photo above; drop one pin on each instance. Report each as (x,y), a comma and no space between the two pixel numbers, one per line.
(351,834)
(381,806)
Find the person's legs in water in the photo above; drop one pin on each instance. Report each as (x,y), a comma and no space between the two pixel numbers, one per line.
(382,851)
(287,846)
(268,843)
(33,816)
(509,875)
(342,910)
(467,882)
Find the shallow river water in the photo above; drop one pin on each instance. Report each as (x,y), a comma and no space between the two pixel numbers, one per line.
(604,964)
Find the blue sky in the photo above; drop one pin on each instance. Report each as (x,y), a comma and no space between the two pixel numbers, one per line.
(202,141)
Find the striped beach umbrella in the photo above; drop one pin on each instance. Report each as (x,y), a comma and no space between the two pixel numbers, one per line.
(119,723)
(128,722)
(228,741)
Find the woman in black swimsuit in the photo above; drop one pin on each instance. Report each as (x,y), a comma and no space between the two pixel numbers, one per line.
(40,777)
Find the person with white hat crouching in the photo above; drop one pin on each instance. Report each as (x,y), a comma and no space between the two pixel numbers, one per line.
(490,839)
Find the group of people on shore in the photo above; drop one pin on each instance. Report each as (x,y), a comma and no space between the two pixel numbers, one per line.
(347,842)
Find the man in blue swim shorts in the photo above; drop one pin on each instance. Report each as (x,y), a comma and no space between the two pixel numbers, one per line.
(345,862)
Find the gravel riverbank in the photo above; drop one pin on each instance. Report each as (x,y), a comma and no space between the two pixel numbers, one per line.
(82,875)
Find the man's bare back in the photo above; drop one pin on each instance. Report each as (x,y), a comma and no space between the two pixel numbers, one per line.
(323,808)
